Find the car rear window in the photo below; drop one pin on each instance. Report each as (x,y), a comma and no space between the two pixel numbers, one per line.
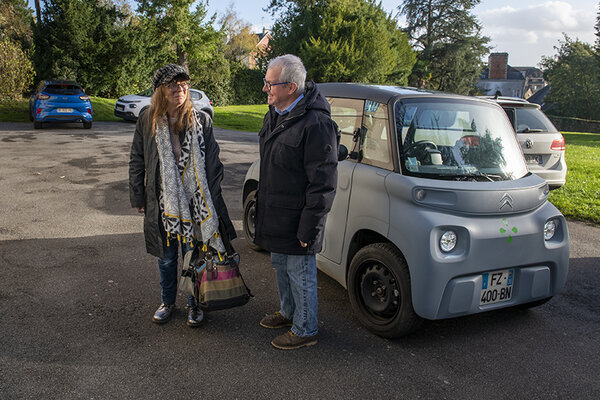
(530,120)
(63,89)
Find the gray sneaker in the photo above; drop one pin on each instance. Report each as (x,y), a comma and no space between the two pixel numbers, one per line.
(195,316)
(275,321)
(163,313)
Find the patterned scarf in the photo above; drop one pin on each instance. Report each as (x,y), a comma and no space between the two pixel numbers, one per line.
(186,206)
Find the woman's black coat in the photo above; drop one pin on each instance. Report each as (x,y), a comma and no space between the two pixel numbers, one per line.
(298,176)
(144,184)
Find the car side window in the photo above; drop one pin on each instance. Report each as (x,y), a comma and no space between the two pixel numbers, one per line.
(195,95)
(347,114)
(375,143)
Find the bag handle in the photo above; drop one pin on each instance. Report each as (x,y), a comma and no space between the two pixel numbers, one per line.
(225,238)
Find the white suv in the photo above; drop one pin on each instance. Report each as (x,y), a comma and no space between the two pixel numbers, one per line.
(542,144)
(129,107)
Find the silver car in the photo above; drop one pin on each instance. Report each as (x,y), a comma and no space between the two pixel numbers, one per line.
(129,107)
(542,144)
(436,215)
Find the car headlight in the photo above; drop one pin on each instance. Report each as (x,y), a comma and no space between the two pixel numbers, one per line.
(132,105)
(448,241)
(550,229)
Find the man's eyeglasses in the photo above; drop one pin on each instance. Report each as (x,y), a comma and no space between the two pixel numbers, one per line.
(174,86)
(269,85)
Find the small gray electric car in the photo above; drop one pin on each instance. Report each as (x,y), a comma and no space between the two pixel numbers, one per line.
(436,215)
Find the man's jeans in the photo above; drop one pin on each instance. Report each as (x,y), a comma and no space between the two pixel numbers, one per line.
(168,271)
(297,285)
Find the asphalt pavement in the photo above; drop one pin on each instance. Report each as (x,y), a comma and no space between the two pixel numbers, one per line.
(77,293)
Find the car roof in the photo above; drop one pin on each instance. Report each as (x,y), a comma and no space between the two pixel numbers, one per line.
(380,93)
(510,101)
(60,82)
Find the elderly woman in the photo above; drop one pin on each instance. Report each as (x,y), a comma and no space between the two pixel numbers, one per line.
(175,180)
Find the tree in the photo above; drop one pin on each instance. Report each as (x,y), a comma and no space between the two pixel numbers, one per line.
(574,77)
(597,28)
(449,43)
(342,40)
(15,23)
(16,72)
(180,29)
(96,42)
(240,42)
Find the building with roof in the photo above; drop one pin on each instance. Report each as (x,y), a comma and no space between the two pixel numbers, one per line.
(499,78)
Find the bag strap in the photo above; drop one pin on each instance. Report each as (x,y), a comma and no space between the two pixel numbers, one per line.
(231,253)
(225,238)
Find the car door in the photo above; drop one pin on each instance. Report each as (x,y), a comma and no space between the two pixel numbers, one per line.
(361,201)
(347,113)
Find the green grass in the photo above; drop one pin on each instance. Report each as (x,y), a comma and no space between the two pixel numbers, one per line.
(104,109)
(18,110)
(14,110)
(579,198)
(241,118)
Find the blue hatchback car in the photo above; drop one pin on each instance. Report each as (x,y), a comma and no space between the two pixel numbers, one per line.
(60,101)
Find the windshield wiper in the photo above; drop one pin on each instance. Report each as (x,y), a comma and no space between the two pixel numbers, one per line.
(479,174)
(529,130)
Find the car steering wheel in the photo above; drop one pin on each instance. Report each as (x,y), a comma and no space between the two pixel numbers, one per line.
(418,149)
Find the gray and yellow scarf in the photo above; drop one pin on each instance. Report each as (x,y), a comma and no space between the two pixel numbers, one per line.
(186,206)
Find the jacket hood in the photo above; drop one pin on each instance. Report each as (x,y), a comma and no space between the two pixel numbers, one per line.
(313,100)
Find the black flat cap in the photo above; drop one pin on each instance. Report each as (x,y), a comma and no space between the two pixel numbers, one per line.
(167,73)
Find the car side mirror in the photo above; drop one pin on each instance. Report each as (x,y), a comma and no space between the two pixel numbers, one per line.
(342,152)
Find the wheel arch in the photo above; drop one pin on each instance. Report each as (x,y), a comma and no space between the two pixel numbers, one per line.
(249,186)
(362,238)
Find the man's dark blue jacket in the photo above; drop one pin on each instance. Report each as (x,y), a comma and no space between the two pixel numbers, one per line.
(298,176)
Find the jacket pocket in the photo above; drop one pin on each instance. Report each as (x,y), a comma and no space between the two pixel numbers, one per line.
(283,216)
(287,150)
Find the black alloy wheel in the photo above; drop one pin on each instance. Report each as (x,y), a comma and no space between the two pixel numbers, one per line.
(380,293)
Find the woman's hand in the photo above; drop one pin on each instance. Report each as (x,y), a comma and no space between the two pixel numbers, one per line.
(140,210)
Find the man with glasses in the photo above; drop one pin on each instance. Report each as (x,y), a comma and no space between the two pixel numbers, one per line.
(298,177)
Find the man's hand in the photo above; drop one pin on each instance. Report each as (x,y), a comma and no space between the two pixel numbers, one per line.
(302,243)
(140,209)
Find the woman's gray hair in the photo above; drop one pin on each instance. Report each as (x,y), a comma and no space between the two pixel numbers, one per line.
(292,70)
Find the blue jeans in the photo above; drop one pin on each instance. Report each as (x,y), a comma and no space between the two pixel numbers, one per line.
(168,271)
(297,285)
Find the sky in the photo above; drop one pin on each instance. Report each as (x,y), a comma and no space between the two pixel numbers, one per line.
(525,29)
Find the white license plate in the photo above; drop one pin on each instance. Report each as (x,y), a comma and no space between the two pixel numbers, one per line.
(64,110)
(533,159)
(496,286)
(120,108)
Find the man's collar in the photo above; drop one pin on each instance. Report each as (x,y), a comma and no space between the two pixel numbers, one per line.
(290,107)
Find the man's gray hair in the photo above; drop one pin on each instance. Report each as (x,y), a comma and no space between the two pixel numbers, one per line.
(292,70)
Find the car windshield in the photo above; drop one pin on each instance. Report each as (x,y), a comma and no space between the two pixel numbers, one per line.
(457,139)
(529,120)
(63,89)
(146,93)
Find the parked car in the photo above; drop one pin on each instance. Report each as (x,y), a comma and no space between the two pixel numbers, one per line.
(436,215)
(542,144)
(60,101)
(129,107)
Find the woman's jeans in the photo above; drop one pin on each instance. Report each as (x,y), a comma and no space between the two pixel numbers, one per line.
(297,285)
(168,271)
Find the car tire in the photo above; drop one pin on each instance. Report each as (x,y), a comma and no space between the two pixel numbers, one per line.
(249,214)
(37,124)
(87,125)
(380,292)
